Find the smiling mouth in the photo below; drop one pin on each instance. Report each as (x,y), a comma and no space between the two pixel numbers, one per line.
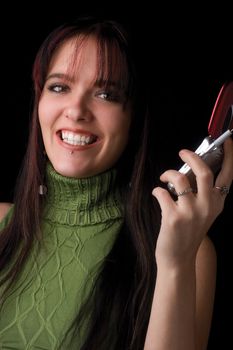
(76,139)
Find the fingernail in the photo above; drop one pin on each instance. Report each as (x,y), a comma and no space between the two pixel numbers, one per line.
(182,151)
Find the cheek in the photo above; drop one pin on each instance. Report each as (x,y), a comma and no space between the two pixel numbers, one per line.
(119,132)
(123,127)
(42,113)
(117,123)
(46,113)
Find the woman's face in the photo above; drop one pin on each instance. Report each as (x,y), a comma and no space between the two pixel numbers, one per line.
(84,126)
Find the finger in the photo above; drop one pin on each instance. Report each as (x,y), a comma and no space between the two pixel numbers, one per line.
(180,182)
(225,176)
(203,173)
(165,200)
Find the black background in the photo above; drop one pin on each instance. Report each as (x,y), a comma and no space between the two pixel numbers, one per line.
(187,54)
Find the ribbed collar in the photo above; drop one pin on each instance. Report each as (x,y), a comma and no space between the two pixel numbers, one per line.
(72,201)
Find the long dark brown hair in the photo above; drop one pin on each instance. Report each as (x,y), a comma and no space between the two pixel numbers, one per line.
(122,297)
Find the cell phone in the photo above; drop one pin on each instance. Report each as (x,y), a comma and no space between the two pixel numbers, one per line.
(220,127)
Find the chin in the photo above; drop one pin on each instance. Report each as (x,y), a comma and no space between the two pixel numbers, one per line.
(71,170)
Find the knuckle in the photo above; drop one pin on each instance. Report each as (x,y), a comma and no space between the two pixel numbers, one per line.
(206,174)
(181,178)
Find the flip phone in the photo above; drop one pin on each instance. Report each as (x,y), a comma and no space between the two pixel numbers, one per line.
(220,127)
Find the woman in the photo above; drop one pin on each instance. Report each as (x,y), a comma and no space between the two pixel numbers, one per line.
(90,259)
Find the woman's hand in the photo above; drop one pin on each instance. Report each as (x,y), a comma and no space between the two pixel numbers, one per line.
(186,221)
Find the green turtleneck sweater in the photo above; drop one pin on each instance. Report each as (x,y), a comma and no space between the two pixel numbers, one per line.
(81,219)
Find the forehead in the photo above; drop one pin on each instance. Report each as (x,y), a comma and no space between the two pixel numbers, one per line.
(73,54)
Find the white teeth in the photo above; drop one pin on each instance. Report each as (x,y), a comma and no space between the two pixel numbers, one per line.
(76,139)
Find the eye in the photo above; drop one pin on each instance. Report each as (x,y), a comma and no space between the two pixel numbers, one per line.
(58,88)
(110,96)
(103,95)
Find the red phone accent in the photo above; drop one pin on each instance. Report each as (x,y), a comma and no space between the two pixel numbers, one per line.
(222,111)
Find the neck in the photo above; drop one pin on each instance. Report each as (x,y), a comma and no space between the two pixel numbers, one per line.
(82,201)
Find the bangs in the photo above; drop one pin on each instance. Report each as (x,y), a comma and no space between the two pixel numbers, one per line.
(112,69)
(112,65)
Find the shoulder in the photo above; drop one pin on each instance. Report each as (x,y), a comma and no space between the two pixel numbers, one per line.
(4,208)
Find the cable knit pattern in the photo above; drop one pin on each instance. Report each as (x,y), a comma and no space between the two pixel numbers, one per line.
(81,220)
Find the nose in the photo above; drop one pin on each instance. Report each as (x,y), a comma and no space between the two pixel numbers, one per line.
(78,110)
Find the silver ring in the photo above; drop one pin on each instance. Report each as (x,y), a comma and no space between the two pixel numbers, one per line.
(224,190)
(187,190)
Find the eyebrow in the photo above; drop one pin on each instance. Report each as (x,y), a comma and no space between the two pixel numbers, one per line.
(98,82)
(59,76)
